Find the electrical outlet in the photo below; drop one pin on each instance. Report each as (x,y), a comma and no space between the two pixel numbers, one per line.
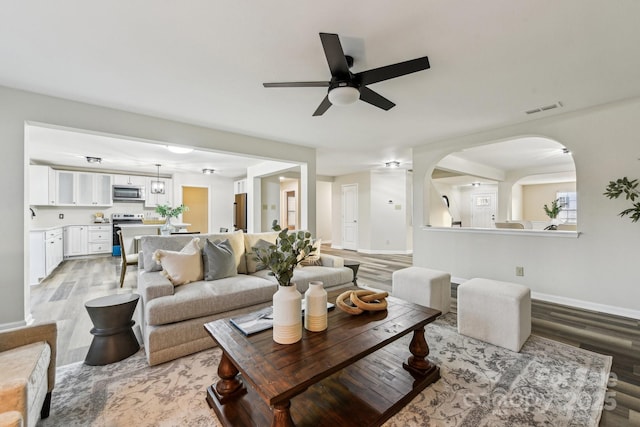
(60,216)
(519,271)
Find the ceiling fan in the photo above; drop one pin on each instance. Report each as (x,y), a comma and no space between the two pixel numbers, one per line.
(346,87)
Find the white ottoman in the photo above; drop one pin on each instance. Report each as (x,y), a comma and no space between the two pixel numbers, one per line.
(496,312)
(430,288)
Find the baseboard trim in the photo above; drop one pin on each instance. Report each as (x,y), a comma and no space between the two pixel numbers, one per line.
(576,303)
(13,325)
(587,305)
(378,252)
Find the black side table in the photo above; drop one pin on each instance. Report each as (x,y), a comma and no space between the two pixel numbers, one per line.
(113,337)
(353,265)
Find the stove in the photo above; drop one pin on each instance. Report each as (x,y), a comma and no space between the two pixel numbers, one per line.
(122,218)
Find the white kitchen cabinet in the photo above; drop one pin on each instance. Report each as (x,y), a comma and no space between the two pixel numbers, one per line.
(152,200)
(75,240)
(240,187)
(83,189)
(42,185)
(100,239)
(129,180)
(45,252)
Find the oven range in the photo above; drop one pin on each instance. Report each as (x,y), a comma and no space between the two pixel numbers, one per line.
(122,218)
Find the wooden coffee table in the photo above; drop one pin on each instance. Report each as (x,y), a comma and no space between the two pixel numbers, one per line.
(350,374)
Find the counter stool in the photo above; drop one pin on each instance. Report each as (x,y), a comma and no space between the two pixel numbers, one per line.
(113,337)
(495,312)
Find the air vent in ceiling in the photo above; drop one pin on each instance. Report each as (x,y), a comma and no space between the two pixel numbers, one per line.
(545,108)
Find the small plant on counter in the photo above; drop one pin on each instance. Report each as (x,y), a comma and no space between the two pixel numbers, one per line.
(553,211)
(167,211)
(629,188)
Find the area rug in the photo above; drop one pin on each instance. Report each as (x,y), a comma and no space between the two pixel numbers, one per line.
(547,384)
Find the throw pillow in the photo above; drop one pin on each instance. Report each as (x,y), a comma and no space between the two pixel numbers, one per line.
(219,260)
(253,264)
(181,267)
(314,256)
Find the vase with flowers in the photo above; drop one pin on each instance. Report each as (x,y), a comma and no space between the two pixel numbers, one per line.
(282,258)
(168,212)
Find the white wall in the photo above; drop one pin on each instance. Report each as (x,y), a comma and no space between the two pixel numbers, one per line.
(19,107)
(323,215)
(596,269)
(270,202)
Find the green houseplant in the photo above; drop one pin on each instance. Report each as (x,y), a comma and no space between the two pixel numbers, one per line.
(629,188)
(283,257)
(168,212)
(553,211)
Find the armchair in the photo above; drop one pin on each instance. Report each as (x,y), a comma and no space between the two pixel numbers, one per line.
(27,377)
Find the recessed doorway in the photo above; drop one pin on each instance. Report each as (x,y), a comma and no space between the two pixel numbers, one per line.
(197,199)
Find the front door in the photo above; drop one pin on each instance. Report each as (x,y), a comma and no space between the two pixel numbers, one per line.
(483,210)
(350,217)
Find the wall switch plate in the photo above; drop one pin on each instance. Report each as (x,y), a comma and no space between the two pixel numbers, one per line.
(519,271)
(61,216)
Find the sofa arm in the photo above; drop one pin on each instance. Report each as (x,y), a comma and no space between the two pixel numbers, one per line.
(152,284)
(48,332)
(331,260)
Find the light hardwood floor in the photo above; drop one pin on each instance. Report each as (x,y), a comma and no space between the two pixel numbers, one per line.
(62,296)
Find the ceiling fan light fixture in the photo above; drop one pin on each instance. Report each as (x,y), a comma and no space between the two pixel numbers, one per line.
(393,164)
(207,171)
(179,150)
(344,95)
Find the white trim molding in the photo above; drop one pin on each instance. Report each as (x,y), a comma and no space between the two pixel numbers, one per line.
(505,231)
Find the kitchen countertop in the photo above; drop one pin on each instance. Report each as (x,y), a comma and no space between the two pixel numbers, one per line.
(53,227)
(175,224)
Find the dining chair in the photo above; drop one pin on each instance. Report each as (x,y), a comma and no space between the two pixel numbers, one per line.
(125,259)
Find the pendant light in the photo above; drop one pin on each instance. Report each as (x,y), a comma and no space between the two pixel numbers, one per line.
(157,187)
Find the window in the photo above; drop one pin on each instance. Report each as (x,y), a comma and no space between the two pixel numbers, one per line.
(569,203)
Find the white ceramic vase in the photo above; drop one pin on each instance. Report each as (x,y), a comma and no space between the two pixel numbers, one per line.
(287,315)
(315,313)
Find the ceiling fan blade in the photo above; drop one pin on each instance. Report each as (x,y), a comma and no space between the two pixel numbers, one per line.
(297,84)
(324,106)
(335,56)
(374,98)
(391,71)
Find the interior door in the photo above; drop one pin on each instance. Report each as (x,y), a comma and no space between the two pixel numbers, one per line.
(197,199)
(350,217)
(291,210)
(483,210)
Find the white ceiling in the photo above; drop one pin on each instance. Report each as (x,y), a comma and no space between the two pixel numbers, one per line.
(204,62)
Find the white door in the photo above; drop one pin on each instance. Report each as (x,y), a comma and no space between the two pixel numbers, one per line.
(350,217)
(483,210)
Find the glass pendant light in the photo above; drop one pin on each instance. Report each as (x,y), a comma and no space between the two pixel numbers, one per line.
(157,187)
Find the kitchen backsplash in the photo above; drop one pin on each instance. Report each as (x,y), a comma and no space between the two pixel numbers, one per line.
(48,216)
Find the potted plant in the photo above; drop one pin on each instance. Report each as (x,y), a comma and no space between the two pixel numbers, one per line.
(282,258)
(629,188)
(168,212)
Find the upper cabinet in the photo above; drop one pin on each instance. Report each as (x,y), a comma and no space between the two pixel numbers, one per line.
(42,185)
(129,180)
(83,189)
(151,199)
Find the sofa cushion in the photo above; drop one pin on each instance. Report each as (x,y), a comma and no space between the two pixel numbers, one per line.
(314,256)
(24,380)
(203,298)
(329,276)
(218,260)
(149,244)
(253,264)
(181,267)
(250,241)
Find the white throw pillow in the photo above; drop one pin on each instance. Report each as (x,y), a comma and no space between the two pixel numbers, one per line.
(181,267)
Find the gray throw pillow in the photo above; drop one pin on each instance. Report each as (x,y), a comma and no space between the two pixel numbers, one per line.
(253,264)
(218,260)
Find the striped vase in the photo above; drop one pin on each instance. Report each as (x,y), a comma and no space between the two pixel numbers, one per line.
(287,315)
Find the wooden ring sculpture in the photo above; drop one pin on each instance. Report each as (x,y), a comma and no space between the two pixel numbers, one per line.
(362,300)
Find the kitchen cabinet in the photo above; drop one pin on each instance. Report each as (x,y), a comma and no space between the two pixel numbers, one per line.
(240,187)
(75,240)
(42,185)
(46,252)
(129,180)
(152,200)
(100,239)
(83,189)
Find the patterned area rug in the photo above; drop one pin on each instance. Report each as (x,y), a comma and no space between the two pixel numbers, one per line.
(546,384)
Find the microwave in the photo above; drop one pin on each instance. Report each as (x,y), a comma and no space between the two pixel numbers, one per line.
(128,193)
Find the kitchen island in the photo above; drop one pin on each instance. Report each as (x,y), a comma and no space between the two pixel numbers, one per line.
(131,231)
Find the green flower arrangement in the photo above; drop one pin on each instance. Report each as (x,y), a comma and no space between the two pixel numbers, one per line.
(283,257)
(167,211)
(629,188)
(553,211)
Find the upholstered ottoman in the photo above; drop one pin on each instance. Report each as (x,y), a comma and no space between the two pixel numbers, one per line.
(430,288)
(495,312)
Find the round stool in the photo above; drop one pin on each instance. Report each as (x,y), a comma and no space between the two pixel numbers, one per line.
(113,338)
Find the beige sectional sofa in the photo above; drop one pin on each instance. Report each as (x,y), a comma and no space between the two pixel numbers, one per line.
(173,316)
